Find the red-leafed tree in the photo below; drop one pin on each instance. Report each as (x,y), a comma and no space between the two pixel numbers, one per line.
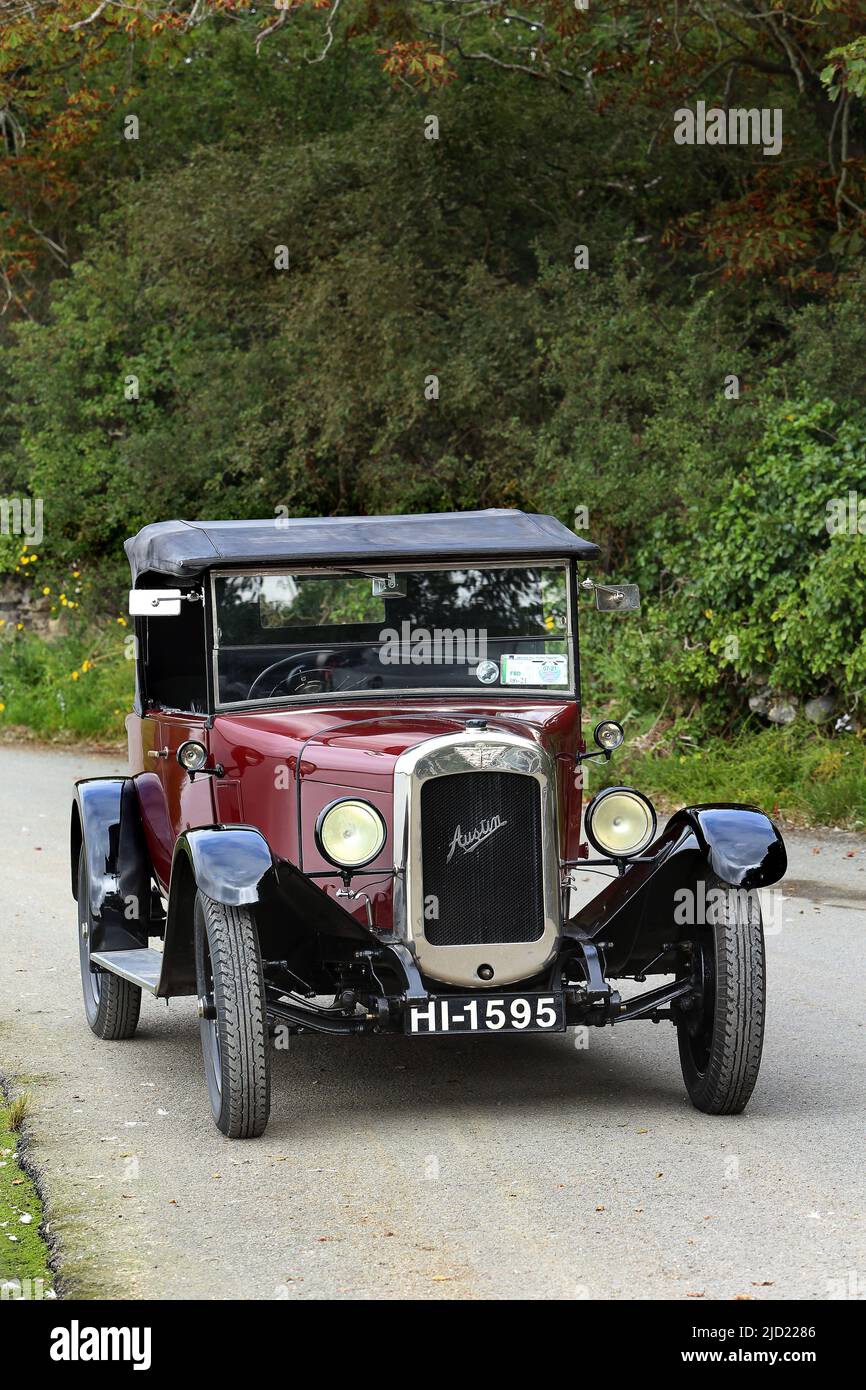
(67,67)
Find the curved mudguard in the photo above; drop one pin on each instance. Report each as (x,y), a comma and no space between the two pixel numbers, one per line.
(106,816)
(230,863)
(742,845)
(635,914)
(233,864)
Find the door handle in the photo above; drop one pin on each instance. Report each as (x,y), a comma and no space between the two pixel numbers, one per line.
(157,752)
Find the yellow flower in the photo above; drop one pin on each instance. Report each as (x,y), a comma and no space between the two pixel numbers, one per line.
(33,557)
(708,612)
(19,626)
(2,622)
(75,675)
(24,547)
(85,665)
(46,590)
(76,574)
(122,622)
(2,707)
(62,598)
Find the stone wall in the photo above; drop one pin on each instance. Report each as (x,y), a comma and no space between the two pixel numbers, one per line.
(20,603)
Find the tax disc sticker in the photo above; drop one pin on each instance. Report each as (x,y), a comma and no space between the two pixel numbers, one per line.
(520,669)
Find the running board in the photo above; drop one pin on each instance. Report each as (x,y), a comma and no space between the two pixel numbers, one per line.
(141,967)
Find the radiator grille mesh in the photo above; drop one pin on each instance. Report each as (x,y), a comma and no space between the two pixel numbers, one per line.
(481,847)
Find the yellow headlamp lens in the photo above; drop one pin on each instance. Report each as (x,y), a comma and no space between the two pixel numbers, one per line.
(620,822)
(350,833)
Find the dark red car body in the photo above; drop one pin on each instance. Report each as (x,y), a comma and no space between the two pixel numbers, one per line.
(215,843)
(284,766)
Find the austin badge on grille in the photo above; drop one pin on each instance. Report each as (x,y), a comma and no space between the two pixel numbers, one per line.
(473,838)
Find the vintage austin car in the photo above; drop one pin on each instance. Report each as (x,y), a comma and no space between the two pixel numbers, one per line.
(354,805)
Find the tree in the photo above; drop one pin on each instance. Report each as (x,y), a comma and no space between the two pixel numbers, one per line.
(69,68)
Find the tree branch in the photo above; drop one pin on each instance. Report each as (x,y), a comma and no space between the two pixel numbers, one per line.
(329,31)
(271,29)
(91,18)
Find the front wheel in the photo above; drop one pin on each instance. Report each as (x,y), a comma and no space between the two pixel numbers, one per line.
(721,1036)
(231,1001)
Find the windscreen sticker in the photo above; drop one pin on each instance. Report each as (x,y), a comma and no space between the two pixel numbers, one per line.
(534,670)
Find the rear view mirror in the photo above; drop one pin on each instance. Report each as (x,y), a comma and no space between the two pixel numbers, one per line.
(154,603)
(389,585)
(617,598)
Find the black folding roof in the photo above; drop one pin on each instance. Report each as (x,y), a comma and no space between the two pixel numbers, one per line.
(186,548)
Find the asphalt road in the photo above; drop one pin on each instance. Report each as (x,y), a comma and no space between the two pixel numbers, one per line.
(482,1168)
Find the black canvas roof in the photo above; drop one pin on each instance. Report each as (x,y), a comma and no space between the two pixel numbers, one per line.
(186,548)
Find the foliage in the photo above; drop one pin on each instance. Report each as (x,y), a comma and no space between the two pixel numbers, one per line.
(71,71)
(433,343)
(26,1257)
(795,774)
(77,686)
(769,585)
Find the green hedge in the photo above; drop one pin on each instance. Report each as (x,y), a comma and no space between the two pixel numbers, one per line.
(76,686)
(796,773)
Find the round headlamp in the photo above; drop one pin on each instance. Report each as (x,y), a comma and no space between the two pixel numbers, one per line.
(192,755)
(350,833)
(620,822)
(608,734)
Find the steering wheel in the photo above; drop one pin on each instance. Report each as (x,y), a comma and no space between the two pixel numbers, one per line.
(302,673)
(299,671)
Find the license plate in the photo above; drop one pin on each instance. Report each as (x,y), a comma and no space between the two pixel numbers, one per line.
(487,1013)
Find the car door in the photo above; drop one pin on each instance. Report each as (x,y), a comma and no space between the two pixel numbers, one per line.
(152,799)
(173,690)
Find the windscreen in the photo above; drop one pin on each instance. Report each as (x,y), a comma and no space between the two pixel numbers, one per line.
(280,635)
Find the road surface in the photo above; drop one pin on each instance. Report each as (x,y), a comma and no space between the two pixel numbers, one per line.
(438,1168)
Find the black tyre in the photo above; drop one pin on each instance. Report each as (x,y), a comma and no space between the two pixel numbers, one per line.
(234,1033)
(112,1005)
(721,1038)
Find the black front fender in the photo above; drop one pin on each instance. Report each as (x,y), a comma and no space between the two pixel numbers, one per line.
(742,846)
(230,863)
(635,913)
(233,864)
(107,820)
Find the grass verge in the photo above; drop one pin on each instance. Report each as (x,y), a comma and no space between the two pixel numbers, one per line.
(76,686)
(796,774)
(25,1268)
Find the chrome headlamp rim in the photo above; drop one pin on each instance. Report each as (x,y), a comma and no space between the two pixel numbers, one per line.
(342,864)
(592,810)
(197,763)
(608,724)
